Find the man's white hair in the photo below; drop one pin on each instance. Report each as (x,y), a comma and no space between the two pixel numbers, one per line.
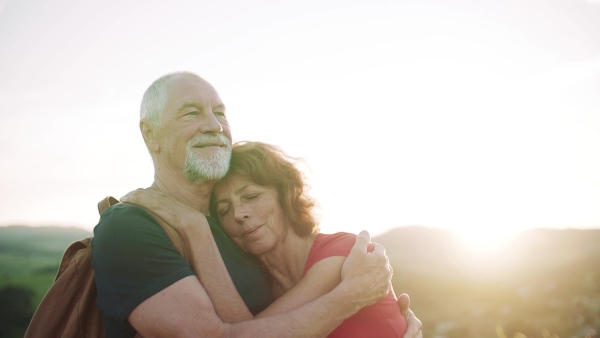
(155,97)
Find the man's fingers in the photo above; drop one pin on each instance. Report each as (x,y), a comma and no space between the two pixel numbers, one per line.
(412,332)
(362,241)
(378,248)
(404,302)
(414,326)
(364,244)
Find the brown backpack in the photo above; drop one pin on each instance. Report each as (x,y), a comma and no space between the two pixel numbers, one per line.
(69,307)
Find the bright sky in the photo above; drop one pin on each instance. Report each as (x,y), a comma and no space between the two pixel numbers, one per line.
(470,115)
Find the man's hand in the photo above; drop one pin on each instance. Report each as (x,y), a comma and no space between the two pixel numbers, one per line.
(414,325)
(368,275)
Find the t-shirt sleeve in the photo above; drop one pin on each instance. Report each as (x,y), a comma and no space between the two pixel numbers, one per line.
(133,259)
(338,244)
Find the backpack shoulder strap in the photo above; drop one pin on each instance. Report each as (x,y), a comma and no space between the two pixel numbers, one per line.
(105,203)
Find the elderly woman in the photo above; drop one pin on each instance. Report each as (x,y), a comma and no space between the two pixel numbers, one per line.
(263,206)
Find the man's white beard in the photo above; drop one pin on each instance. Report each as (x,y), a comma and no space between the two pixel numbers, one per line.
(212,166)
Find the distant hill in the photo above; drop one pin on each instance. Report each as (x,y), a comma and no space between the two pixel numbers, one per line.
(543,280)
(30,255)
(428,249)
(28,240)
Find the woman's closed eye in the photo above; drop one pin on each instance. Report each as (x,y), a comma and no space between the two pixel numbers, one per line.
(249,197)
(224,210)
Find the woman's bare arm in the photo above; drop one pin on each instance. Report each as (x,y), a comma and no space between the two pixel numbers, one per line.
(205,258)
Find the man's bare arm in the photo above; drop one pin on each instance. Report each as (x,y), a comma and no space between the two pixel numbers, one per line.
(184,308)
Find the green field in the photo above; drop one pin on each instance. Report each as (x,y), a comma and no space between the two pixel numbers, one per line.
(38,275)
(29,259)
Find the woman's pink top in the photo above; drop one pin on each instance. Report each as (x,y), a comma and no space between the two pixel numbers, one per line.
(382,319)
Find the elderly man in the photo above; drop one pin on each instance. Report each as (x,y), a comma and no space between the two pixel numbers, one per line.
(146,287)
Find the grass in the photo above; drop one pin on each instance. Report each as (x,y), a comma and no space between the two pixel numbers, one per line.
(35,271)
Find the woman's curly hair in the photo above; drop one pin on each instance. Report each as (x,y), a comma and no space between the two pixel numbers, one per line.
(268,165)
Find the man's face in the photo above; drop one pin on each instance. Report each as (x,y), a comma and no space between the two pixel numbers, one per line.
(194,134)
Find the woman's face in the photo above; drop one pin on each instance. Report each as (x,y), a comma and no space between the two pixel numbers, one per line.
(250,214)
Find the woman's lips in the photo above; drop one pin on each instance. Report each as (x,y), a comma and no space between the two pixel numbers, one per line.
(251,231)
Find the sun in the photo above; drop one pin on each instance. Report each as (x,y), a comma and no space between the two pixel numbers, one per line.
(484,240)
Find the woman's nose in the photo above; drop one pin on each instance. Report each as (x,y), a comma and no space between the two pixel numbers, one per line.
(241,213)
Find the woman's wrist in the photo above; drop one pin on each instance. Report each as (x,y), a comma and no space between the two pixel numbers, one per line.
(195,228)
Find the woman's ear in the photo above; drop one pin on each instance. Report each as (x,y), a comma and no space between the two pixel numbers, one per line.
(149,132)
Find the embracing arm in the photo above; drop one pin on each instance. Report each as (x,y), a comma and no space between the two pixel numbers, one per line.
(205,258)
(184,308)
(210,269)
(320,279)
(215,279)
(208,265)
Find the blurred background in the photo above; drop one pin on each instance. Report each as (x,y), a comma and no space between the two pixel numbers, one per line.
(464,133)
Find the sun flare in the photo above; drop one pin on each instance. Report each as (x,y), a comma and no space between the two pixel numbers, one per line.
(484,240)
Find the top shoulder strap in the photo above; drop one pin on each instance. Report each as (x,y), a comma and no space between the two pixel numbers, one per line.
(106,202)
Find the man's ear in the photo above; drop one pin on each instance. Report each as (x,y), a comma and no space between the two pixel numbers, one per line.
(149,132)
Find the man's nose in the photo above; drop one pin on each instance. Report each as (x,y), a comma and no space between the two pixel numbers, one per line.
(210,124)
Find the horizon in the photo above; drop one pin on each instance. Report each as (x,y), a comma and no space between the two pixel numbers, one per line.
(477,243)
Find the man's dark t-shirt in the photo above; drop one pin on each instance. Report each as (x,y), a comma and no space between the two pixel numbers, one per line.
(133,259)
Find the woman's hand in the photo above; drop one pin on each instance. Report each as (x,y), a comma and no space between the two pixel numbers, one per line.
(178,215)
